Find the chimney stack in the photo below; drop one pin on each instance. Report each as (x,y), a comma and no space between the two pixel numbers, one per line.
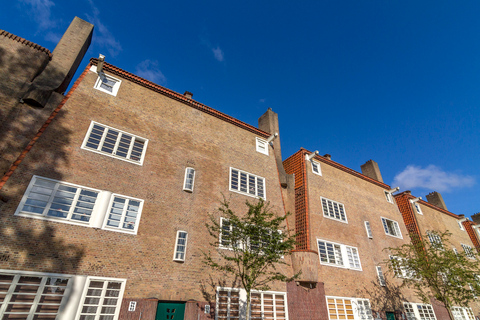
(476,218)
(371,170)
(328,156)
(188,95)
(436,199)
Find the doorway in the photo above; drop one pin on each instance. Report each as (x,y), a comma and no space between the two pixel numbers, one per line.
(390,315)
(170,310)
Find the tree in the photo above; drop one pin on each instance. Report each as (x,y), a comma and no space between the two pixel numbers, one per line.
(257,243)
(433,269)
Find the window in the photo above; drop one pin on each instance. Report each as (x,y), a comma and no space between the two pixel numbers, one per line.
(264,304)
(468,251)
(333,210)
(338,255)
(69,203)
(399,268)
(262,146)
(115,143)
(460,313)
(368,229)
(35,295)
(461,225)
(132,306)
(435,239)
(416,311)
(227,229)
(391,228)
(316,167)
(101,299)
(381,277)
(417,208)
(107,84)
(455,251)
(389,197)
(348,308)
(247,183)
(180,246)
(189,179)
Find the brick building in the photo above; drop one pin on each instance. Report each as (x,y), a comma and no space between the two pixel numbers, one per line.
(431,217)
(105,193)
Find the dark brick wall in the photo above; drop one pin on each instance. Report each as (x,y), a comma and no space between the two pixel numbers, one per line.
(146,309)
(305,303)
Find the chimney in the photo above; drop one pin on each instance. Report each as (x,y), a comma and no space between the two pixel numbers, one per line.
(436,199)
(188,95)
(371,170)
(328,156)
(476,218)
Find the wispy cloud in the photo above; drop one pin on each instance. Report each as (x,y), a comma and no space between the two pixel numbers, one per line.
(218,54)
(149,70)
(41,13)
(262,100)
(103,37)
(432,178)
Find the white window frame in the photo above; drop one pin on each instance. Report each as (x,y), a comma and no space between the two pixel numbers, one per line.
(368,229)
(400,271)
(462,313)
(177,244)
(117,142)
(99,214)
(468,251)
(98,83)
(259,142)
(381,276)
(416,307)
(132,305)
(102,297)
(417,208)
(460,224)
(249,175)
(357,304)
(124,216)
(343,255)
(434,239)
(396,228)
(73,296)
(333,204)
(242,294)
(188,171)
(317,164)
(388,196)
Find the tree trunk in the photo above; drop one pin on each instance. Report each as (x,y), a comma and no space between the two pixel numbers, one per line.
(247,317)
(450,313)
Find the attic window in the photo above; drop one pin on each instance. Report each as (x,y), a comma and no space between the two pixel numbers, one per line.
(262,146)
(107,84)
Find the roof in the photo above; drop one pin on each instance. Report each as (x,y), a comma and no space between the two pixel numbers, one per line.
(13,37)
(408,194)
(179,97)
(344,168)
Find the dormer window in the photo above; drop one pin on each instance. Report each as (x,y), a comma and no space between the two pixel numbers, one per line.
(316,167)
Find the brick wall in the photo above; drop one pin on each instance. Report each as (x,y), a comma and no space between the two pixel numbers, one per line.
(305,303)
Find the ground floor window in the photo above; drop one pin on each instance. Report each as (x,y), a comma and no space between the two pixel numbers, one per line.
(415,311)
(265,305)
(33,295)
(460,313)
(349,308)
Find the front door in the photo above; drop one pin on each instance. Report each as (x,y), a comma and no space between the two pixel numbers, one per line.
(390,316)
(170,310)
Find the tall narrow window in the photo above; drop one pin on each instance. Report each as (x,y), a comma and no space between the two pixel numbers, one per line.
(180,246)
(389,197)
(369,230)
(316,167)
(189,179)
(262,146)
(115,143)
(460,225)
(417,208)
(381,277)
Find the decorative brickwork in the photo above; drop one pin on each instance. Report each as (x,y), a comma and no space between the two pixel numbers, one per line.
(407,213)
(468,225)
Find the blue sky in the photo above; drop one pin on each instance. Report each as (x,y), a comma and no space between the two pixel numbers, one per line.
(393,81)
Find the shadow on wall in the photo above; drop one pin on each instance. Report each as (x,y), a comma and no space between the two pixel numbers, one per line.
(33,244)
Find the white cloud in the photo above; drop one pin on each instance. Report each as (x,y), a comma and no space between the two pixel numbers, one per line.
(262,100)
(53,37)
(149,70)
(218,53)
(41,13)
(103,37)
(432,178)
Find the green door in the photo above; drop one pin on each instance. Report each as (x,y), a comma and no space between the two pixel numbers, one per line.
(169,310)
(390,316)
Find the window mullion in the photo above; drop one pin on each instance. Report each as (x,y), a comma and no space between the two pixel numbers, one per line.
(130,148)
(102,139)
(117,143)
(36,300)
(102,298)
(124,214)
(74,203)
(8,297)
(50,200)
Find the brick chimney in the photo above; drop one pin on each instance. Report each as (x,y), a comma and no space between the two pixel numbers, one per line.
(476,218)
(371,170)
(436,199)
